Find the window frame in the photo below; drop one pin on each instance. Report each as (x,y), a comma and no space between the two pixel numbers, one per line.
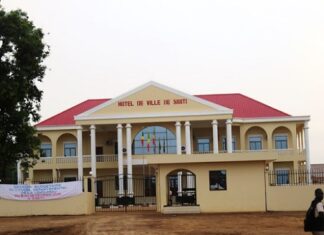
(197,144)
(255,136)
(217,188)
(281,135)
(51,149)
(76,149)
(281,174)
(169,142)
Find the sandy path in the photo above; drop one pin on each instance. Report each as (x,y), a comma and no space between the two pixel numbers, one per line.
(154,223)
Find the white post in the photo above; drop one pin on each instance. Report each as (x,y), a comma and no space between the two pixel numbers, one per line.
(307,151)
(178,136)
(299,137)
(189,182)
(229,135)
(19,175)
(215,135)
(180,183)
(129,160)
(302,139)
(80,154)
(93,150)
(188,141)
(120,160)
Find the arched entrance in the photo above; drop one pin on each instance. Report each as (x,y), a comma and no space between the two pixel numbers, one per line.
(181,188)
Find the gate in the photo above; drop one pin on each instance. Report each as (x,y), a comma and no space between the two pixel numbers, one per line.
(108,199)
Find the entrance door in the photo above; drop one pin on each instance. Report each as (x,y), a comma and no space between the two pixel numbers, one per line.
(181,188)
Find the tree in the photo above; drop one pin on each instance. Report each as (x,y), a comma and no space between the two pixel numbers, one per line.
(22,53)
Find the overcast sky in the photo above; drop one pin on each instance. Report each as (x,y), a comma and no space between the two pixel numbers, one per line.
(272,51)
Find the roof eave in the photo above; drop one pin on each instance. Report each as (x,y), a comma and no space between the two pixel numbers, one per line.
(272,119)
(57,127)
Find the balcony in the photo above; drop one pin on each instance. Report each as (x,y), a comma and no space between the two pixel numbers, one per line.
(236,156)
(103,161)
(110,161)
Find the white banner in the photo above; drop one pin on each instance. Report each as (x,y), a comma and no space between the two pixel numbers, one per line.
(40,191)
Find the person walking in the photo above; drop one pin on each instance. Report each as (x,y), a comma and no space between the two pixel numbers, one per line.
(318,227)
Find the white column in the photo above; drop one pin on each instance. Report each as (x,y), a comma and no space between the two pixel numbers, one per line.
(189,182)
(229,135)
(302,140)
(307,151)
(120,160)
(129,160)
(178,136)
(300,147)
(180,183)
(188,140)
(80,153)
(19,174)
(93,150)
(215,136)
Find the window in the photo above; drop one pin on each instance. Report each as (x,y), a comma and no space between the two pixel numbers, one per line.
(255,142)
(203,145)
(69,149)
(70,178)
(46,150)
(282,176)
(154,140)
(224,143)
(150,185)
(99,189)
(281,142)
(99,150)
(217,180)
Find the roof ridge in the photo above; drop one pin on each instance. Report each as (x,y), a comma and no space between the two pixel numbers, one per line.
(219,94)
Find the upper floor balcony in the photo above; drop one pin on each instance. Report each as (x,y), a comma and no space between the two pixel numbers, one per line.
(157,143)
(110,161)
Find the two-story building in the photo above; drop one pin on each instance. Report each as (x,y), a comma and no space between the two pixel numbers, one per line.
(160,146)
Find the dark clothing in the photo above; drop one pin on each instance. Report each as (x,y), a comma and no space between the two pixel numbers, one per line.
(319,221)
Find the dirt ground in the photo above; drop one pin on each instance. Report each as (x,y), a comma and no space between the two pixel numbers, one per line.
(155,223)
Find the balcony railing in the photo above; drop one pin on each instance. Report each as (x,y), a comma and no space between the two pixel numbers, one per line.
(74,159)
(44,161)
(295,177)
(285,152)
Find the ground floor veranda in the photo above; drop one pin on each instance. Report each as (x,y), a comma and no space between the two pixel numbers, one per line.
(199,187)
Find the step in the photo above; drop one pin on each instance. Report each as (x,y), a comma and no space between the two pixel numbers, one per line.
(181,210)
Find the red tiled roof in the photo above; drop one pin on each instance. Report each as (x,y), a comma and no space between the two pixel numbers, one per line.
(243,106)
(67,117)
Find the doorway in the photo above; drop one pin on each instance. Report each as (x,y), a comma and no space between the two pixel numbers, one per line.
(181,188)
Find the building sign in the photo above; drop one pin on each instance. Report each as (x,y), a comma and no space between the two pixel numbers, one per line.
(40,191)
(156,102)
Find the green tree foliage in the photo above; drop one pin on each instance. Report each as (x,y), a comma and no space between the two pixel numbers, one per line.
(22,52)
